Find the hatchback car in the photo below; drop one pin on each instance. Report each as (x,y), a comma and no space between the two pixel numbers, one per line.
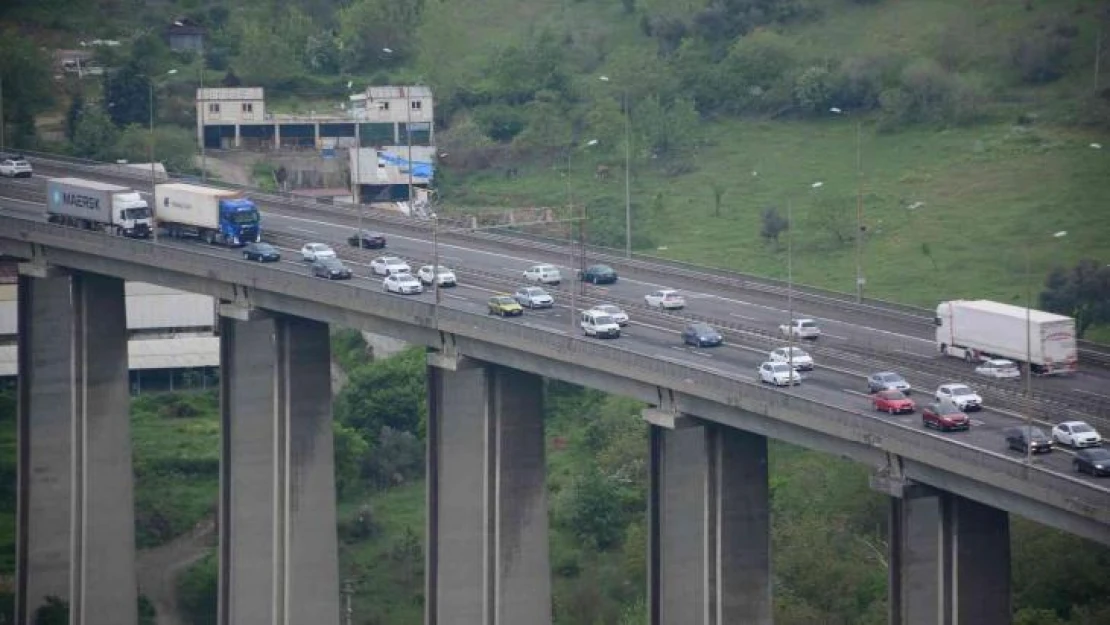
(801,360)
(366,239)
(779,374)
(892,402)
(999,368)
(444,277)
(1027,438)
(615,312)
(701,335)
(15,167)
(387,265)
(315,251)
(599,274)
(961,395)
(887,381)
(945,417)
(403,283)
(504,306)
(262,252)
(1076,434)
(667,299)
(1093,461)
(544,274)
(331,268)
(533,297)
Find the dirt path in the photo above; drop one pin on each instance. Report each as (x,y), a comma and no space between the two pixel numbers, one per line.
(159,567)
(227,169)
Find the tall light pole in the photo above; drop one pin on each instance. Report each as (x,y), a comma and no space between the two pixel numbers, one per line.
(203,130)
(150,145)
(860,280)
(408,134)
(1029,343)
(790,279)
(435,268)
(570,239)
(356,176)
(627,169)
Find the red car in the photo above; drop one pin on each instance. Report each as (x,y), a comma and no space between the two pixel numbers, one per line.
(893,402)
(944,417)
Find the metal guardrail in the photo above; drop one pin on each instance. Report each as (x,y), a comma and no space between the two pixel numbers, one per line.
(955,465)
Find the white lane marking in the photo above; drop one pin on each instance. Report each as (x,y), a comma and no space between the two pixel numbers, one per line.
(651,285)
(1079,390)
(855,392)
(306,230)
(458,297)
(834,336)
(743,317)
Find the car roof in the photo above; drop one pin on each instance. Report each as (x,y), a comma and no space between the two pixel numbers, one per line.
(1073,423)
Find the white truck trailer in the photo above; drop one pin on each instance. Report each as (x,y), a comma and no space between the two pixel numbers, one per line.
(218,216)
(99,206)
(980,329)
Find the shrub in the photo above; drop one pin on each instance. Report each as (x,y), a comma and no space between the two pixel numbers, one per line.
(1041,57)
(812,89)
(858,81)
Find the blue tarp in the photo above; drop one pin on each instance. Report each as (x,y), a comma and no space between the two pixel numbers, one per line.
(420,169)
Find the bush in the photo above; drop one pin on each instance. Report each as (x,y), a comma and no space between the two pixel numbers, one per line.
(858,81)
(197,592)
(813,89)
(1041,57)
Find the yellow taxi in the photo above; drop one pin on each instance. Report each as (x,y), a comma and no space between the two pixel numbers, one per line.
(505,306)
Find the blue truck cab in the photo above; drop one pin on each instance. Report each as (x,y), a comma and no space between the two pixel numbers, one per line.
(240,222)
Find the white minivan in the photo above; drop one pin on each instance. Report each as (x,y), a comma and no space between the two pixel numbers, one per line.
(600,324)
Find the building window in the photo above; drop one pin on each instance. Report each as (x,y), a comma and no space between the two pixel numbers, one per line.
(248,107)
(416,105)
(383,106)
(214,108)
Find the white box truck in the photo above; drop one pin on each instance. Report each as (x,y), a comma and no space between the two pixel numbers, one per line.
(218,216)
(980,329)
(99,206)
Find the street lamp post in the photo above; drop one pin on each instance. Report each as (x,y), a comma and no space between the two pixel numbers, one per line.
(570,239)
(435,268)
(1029,343)
(627,170)
(790,280)
(860,280)
(356,176)
(150,145)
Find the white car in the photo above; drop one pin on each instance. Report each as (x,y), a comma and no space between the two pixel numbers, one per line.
(801,328)
(999,368)
(15,167)
(389,265)
(403,283)
(544,274)
(615,312)
(313,252)
(961,395)
(533,297)
(1076,434)
(802,360)
(667,299)
(779,374)
(445,277)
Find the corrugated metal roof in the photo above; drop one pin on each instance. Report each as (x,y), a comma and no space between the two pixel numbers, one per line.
(395,92)
(143,354)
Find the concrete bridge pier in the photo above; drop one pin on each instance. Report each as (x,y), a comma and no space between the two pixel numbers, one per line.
(278,545)
(709,549)
(949,560)
(487,544)
(75,536)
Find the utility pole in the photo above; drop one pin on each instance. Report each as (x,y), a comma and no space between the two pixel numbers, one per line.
(435,268)
(150,146)
(203,130)
(408,137)
(1028,353)
(790,290)
(859,212)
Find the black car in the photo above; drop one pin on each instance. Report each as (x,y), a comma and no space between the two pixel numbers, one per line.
(262,252)
(331,268)
(1094,461)
(599,274)
(701,335)
(367,239)
(1027,438)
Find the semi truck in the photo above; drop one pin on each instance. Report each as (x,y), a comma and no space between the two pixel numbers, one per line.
(217,216)
(980,329)
(97,206)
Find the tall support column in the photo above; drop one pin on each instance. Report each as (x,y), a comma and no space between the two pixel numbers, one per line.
(75,537)
(487,542)
(709,525)
(950,561)
(278,547)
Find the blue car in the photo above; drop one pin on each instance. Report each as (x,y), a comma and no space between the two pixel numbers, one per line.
(701,335)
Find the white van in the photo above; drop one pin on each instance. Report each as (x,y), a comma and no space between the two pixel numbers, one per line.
(600,324)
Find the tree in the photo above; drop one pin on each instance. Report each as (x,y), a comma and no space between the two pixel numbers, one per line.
(834,216)
(73,115)
(388,392)
(25,78)
(593,512)
(95,136)
(55,611)
(350,452)
(174,147)
(773,225)
(368,27)
(127,95)
(1082,293)
(666,129)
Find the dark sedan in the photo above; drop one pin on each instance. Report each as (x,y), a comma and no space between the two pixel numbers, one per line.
(599,274)
(331,268)
(1026,439)
(701,335)
(368,240)
(262,252)
(1094,461)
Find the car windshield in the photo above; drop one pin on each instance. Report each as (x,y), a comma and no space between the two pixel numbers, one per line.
(796,352)
(331,263)
(892,395)
(891,377)
(503,301)
(136,213)
(1080,428)
(1097,455)
(701,328)
(1034,433)
(405,277)
(319,247)
(670,295)
(392,261)
(1004,364)
(960,390)
(603,320)
(809,324)
(601,269)
(612,310)
(265,248)
(245,217)
(779,367)
(946,409)
(534,292)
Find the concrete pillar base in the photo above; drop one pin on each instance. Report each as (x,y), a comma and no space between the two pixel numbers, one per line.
(709,560)
(487,544)
(278,545)
(75,526)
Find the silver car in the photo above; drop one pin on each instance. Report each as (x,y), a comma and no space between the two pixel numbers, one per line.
(533,297)
(887,381)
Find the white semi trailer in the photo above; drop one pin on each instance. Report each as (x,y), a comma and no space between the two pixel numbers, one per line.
(980,329)
(218,216)
(99,206)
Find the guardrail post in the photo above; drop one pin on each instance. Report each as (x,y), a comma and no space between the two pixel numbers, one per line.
(278,544)
(487,540)
(75,537)
(709,560)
